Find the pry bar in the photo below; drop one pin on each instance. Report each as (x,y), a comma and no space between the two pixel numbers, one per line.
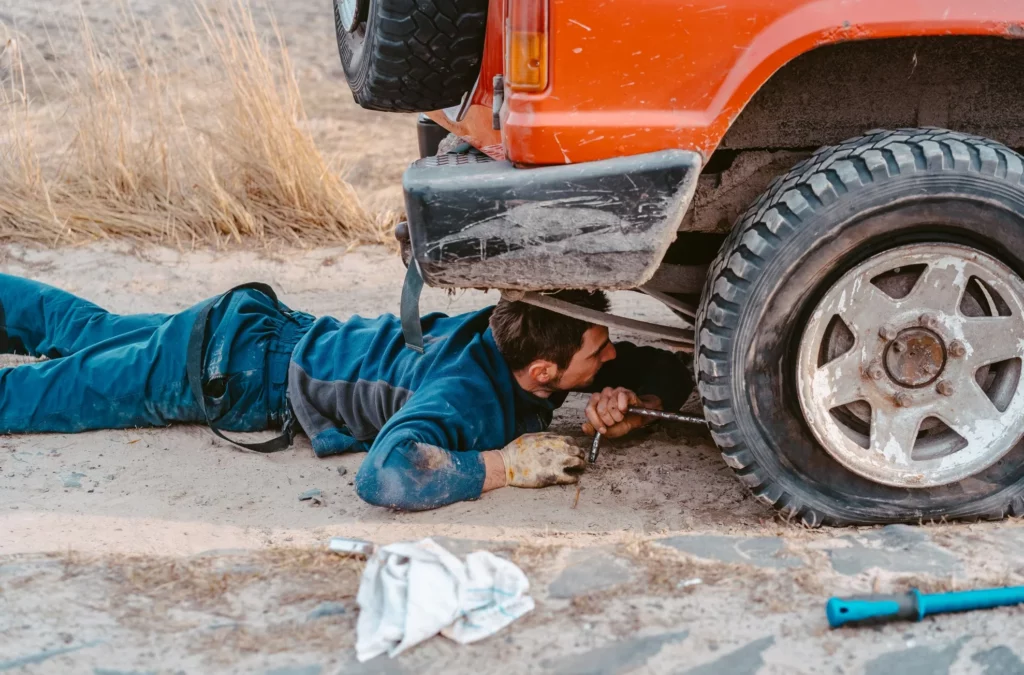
(595,448)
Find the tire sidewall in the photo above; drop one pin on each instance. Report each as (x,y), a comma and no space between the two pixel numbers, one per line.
(356,48)
(977,210)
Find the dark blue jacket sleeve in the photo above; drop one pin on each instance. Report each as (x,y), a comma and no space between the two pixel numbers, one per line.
(428,454)
(647,371)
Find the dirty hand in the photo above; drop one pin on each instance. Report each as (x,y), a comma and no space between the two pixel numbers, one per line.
(606,412)
(540,460)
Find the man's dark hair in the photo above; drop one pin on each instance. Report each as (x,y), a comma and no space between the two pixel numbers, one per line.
(525,333)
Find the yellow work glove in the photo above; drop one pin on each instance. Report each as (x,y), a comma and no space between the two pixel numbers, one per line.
(540,460)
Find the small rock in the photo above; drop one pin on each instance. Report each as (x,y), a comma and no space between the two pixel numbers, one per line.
(73,479)
(314,495)
(218,626)
(327,609)
(67,638)
(341,471)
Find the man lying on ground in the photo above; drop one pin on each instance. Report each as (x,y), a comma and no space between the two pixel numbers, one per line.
(463,418)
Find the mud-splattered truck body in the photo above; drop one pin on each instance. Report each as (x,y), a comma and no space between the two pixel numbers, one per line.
(828,194)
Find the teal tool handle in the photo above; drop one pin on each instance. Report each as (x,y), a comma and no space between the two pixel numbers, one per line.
(869,609)
(914,606)
(967,600)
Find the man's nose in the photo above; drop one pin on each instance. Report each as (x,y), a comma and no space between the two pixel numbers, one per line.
(609,354)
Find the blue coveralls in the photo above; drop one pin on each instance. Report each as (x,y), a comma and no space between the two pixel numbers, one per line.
(118,372)
(353,386)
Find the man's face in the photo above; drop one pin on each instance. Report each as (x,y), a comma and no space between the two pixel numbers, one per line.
(596,351)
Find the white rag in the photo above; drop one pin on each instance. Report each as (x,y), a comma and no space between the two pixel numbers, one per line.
(413,591)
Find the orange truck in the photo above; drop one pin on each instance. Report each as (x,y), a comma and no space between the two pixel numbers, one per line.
(827,193)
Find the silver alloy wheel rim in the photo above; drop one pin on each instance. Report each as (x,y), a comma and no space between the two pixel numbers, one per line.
(927,393)
(350,12)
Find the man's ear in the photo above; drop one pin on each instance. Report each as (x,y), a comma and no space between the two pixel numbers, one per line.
(542,371)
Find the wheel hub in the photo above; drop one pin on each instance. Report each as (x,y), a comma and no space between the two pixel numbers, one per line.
(351,13)
(909,370)
(915,358)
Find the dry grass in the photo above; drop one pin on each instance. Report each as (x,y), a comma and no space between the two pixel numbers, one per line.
(227,604)
(197,141)
(312,576)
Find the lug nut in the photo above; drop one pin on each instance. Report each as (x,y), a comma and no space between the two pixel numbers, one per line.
(887,333)
(957,349)
(945,388)
(928,321)
(875,372)
(903,400)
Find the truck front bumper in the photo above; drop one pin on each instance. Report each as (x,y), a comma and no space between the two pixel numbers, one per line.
(479,223)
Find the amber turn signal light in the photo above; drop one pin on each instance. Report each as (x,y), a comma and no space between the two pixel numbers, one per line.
(527,45)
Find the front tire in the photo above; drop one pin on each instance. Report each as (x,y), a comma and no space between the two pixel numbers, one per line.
(764,317)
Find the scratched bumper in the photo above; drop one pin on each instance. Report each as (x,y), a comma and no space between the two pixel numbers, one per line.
(479,223)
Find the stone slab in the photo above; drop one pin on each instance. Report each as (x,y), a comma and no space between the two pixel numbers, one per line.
(895,548)
(327,609)
(463,547)
(916,660)
(746,660)
(999,660)
(757,551)
(596,573)
(313,669)
(617,658)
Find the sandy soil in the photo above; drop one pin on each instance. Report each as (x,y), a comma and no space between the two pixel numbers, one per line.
(154,550)
(165,491)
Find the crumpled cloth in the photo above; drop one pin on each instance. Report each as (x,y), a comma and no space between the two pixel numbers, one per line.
(412,591)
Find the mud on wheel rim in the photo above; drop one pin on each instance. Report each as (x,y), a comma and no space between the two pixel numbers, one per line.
(909,369)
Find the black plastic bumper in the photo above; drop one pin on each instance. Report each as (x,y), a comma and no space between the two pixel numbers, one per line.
(479,223)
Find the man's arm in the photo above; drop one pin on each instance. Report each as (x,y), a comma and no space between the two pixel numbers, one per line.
(427,455)
(494,471)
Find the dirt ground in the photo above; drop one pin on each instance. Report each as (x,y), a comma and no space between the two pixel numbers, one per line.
(168,551)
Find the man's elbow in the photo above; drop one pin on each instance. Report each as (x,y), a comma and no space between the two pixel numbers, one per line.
(389,487)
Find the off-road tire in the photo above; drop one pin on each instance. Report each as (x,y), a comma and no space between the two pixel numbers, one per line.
(832,211)
(413,55)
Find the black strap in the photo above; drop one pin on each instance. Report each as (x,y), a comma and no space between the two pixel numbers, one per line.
(412,328)
(194,369)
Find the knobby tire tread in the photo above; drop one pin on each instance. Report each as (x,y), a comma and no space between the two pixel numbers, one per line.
(728,285)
